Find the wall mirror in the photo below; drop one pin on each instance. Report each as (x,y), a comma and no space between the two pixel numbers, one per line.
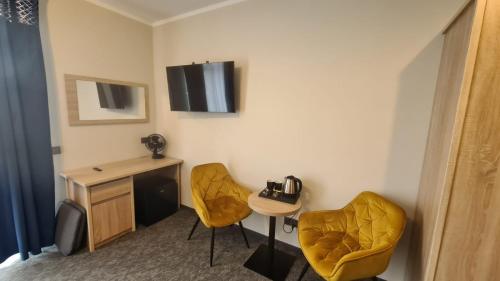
(95,101)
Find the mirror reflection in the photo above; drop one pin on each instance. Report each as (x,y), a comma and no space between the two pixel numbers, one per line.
(104,101)
(96,101)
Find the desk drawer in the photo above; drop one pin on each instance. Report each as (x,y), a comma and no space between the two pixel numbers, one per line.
(112,218)
(109,190)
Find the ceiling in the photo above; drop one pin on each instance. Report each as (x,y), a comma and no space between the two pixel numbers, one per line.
(155,12)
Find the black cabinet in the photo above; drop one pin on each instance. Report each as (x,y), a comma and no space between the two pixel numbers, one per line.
(156,198)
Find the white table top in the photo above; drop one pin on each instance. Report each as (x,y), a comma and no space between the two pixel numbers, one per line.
(270,207)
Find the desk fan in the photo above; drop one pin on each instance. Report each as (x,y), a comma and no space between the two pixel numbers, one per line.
(155,143)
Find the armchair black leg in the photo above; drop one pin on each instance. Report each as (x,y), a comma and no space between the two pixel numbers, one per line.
(304,270)
(244,235)
(194,227)
(212,246)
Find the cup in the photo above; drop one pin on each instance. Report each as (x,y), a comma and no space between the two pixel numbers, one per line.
(270,184)
(278,187)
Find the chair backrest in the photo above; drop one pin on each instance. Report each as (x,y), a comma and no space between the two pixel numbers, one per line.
(210,181)
(374,221)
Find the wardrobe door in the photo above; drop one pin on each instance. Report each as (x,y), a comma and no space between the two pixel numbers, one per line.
(441,148)
(470,247)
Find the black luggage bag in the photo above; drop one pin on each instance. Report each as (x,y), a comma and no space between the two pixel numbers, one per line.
(71,222)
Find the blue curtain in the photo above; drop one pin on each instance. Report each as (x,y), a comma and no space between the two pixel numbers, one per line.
(26,169)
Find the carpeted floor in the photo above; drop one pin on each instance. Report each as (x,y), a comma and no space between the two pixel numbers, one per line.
(159,252)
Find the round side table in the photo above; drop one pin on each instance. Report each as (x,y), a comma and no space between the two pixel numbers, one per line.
(266,260)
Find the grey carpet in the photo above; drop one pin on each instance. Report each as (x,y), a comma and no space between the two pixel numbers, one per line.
(159,252)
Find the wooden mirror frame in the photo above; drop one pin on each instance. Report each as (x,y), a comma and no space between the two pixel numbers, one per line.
(72,101)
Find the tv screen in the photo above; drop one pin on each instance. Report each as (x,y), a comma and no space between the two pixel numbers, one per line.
(113,96)
(204,87)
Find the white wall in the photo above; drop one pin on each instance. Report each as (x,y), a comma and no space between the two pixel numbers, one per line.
(83,39)
(335,92)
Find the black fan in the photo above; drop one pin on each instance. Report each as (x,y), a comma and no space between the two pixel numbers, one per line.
(155,143)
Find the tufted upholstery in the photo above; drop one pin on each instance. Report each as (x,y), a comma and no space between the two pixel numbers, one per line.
(354,242)
(218,200)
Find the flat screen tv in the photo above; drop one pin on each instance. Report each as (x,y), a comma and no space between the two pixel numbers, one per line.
(204,87)
(113,96)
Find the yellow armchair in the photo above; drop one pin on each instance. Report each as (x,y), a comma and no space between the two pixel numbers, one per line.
(354,242)
(218,200)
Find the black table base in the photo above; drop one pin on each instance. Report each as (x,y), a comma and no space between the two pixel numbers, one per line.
(273,266)
(268,261)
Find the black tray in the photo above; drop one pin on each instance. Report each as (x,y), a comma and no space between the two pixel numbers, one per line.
(279,196)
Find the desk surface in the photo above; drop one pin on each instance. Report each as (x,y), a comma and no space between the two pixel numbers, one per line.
(112,171)
(271,207)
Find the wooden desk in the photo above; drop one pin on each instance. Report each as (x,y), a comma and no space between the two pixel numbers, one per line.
(108,195)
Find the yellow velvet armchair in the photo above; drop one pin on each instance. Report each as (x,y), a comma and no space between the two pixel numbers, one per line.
(218,200)
(354,242)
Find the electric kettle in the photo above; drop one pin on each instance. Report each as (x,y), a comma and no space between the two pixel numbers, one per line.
(292,186)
